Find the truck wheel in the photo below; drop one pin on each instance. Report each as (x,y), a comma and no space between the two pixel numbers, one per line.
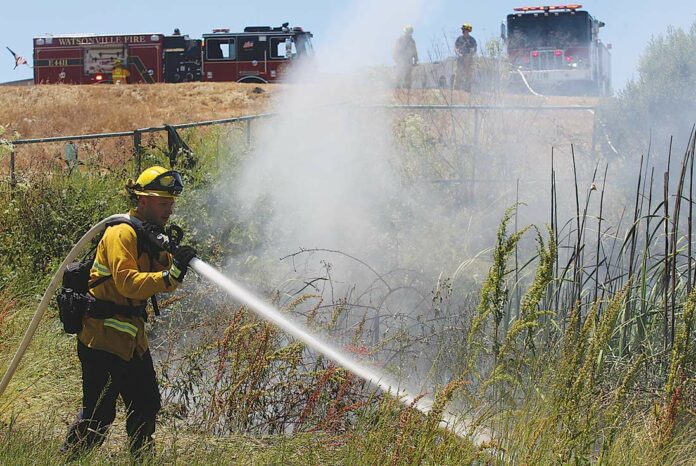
(252,80)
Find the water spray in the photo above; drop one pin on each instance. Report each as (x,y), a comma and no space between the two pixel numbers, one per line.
(266,312)
(380,381)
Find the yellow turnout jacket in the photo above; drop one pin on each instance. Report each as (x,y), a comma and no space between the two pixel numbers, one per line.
(134,279)
(120,75)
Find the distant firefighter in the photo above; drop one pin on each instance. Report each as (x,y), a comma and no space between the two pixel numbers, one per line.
(405,57)
(119,74)
(465,49)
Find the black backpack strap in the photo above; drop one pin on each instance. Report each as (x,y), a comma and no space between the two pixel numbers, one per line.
(90,257)
(155,306)
(93,252)
(153,298)
(145,244)
(137,226)
(99,281)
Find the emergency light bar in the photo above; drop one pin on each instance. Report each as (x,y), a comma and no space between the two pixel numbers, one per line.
(548,8)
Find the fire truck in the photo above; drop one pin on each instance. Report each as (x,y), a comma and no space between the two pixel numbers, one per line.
(259,54)
(557,49)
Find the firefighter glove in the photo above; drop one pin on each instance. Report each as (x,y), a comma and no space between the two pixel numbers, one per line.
(180,264)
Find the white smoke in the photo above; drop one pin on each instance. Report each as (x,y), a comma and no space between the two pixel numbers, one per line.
(323,164)
(328,167)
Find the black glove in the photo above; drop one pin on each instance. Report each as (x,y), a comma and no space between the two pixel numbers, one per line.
(182,257)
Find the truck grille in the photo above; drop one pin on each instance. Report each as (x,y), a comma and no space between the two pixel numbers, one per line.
(546,59)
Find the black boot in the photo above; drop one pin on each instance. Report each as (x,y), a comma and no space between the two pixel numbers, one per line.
(83,436)
(140,439)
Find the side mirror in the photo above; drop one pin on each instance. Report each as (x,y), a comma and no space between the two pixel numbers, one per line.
(503,32)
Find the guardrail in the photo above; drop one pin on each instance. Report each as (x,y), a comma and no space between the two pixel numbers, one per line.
(137,133)
(482,107)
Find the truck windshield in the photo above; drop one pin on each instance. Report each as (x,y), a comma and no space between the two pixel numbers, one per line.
(303,45)
(562,31)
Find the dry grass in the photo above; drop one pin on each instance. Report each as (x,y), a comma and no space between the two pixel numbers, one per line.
(44,111)
(35,111)
(59,110)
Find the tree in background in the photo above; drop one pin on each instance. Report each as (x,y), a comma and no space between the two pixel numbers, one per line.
(661,102)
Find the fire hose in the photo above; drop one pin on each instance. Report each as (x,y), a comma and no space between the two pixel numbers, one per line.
(263,310)
(48,294)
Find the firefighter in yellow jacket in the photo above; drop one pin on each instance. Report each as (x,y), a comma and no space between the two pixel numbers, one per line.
(119,73)
(112,345)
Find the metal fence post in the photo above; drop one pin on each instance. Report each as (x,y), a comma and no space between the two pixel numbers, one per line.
(594,134)
(474,152)
(137,151)
(13,176)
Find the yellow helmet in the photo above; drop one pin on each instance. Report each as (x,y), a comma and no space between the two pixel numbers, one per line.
(467,27)
(156,181)
(117,62)
(408,29)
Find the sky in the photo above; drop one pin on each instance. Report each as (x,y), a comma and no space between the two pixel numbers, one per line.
(629,24)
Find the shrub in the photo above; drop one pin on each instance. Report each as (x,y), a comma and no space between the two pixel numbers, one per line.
(662,101)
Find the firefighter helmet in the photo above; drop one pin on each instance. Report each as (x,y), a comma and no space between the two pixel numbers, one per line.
(156,181)
(117,62)
(408,29)
(467,27)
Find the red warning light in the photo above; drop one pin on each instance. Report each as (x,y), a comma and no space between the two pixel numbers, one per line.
(572,7)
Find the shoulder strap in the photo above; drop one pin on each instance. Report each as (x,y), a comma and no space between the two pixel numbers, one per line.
(137,226)
(99,281)
(144,245)
(90,257)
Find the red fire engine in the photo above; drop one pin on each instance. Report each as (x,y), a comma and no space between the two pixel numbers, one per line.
(259,54)
(557,49)
(87,59)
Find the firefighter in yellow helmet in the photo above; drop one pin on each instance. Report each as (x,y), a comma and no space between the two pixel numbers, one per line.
(112,346)
(119,73)
(405,57)
(465,51)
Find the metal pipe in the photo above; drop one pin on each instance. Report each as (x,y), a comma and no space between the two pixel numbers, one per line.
(154,129)
(13,174)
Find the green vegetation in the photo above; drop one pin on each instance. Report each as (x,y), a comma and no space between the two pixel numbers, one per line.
(549,383)
(576,347)
(661,102)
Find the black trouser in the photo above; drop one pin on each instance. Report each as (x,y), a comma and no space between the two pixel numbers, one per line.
(105,376)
